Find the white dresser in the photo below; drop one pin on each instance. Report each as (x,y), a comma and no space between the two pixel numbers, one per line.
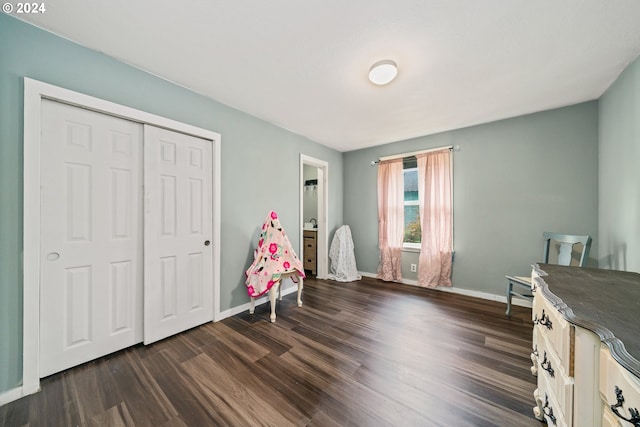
(586,346)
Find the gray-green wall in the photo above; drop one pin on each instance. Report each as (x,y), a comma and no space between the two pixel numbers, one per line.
(619,207)
(260,162)
(513,180)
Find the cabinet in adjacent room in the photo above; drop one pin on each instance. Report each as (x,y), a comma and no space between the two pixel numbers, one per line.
(310,251)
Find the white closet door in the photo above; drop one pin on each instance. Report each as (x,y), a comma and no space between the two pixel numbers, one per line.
(178,266)
(91,236)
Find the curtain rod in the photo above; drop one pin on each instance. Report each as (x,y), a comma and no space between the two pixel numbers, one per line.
(413,153)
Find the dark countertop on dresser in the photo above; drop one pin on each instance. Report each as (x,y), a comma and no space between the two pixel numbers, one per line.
(606,302)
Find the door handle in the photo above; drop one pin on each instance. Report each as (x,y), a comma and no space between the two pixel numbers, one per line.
(207,242)
(53,256)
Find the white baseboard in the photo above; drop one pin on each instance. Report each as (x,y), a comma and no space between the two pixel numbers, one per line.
(293,288)
(11,395)
(467,292)
(286,290)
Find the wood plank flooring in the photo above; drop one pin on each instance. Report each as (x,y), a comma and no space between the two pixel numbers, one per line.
(365,353)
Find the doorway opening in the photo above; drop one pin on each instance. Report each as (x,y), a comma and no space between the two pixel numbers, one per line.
(314,208)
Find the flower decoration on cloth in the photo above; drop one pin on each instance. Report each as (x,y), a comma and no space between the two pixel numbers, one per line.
(274,258)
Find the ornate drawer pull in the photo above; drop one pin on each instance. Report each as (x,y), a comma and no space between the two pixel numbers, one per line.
(635,416)
(548,410)
(544,320)
(534,353)
(547,362)
(534,360)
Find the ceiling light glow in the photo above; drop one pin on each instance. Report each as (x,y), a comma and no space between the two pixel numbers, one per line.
(383,72)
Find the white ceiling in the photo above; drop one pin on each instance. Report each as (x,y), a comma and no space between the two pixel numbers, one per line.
(303,64)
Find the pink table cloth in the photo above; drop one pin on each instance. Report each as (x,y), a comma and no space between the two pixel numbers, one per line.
(273,259)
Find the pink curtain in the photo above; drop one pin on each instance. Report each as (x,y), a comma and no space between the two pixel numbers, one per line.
(390,219)
(436,217)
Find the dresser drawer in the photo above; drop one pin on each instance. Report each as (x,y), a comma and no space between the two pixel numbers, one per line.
(548,409)
(613,375)
(310,264)
(554,380)
(307,234)
(309,246)
(309,259)
(555,329)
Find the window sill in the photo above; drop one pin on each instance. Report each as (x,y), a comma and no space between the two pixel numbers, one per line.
(417,250)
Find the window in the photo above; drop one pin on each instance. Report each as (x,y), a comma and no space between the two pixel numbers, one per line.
(401,204)
(412,231)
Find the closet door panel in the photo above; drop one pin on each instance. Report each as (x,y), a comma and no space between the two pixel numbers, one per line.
(91,235)
(178,233)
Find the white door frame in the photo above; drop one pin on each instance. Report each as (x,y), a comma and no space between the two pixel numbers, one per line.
(34,92)
(323,212)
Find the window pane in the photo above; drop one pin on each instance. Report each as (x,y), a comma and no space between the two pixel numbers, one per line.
(411,181)
(410,196)
(412,230)
(411,209)
(410,162)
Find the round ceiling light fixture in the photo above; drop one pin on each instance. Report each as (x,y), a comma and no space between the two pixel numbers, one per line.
(383,72)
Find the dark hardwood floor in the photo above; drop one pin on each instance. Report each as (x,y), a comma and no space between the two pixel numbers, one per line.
(365,353)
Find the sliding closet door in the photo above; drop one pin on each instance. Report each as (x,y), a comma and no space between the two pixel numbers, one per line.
(178,266)
(91,235)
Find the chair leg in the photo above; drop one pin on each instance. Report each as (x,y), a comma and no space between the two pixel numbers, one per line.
(509,289)
(300,284)
(273,292)
(252,307)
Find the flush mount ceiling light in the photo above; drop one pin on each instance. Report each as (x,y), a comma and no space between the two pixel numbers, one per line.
(383,72)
